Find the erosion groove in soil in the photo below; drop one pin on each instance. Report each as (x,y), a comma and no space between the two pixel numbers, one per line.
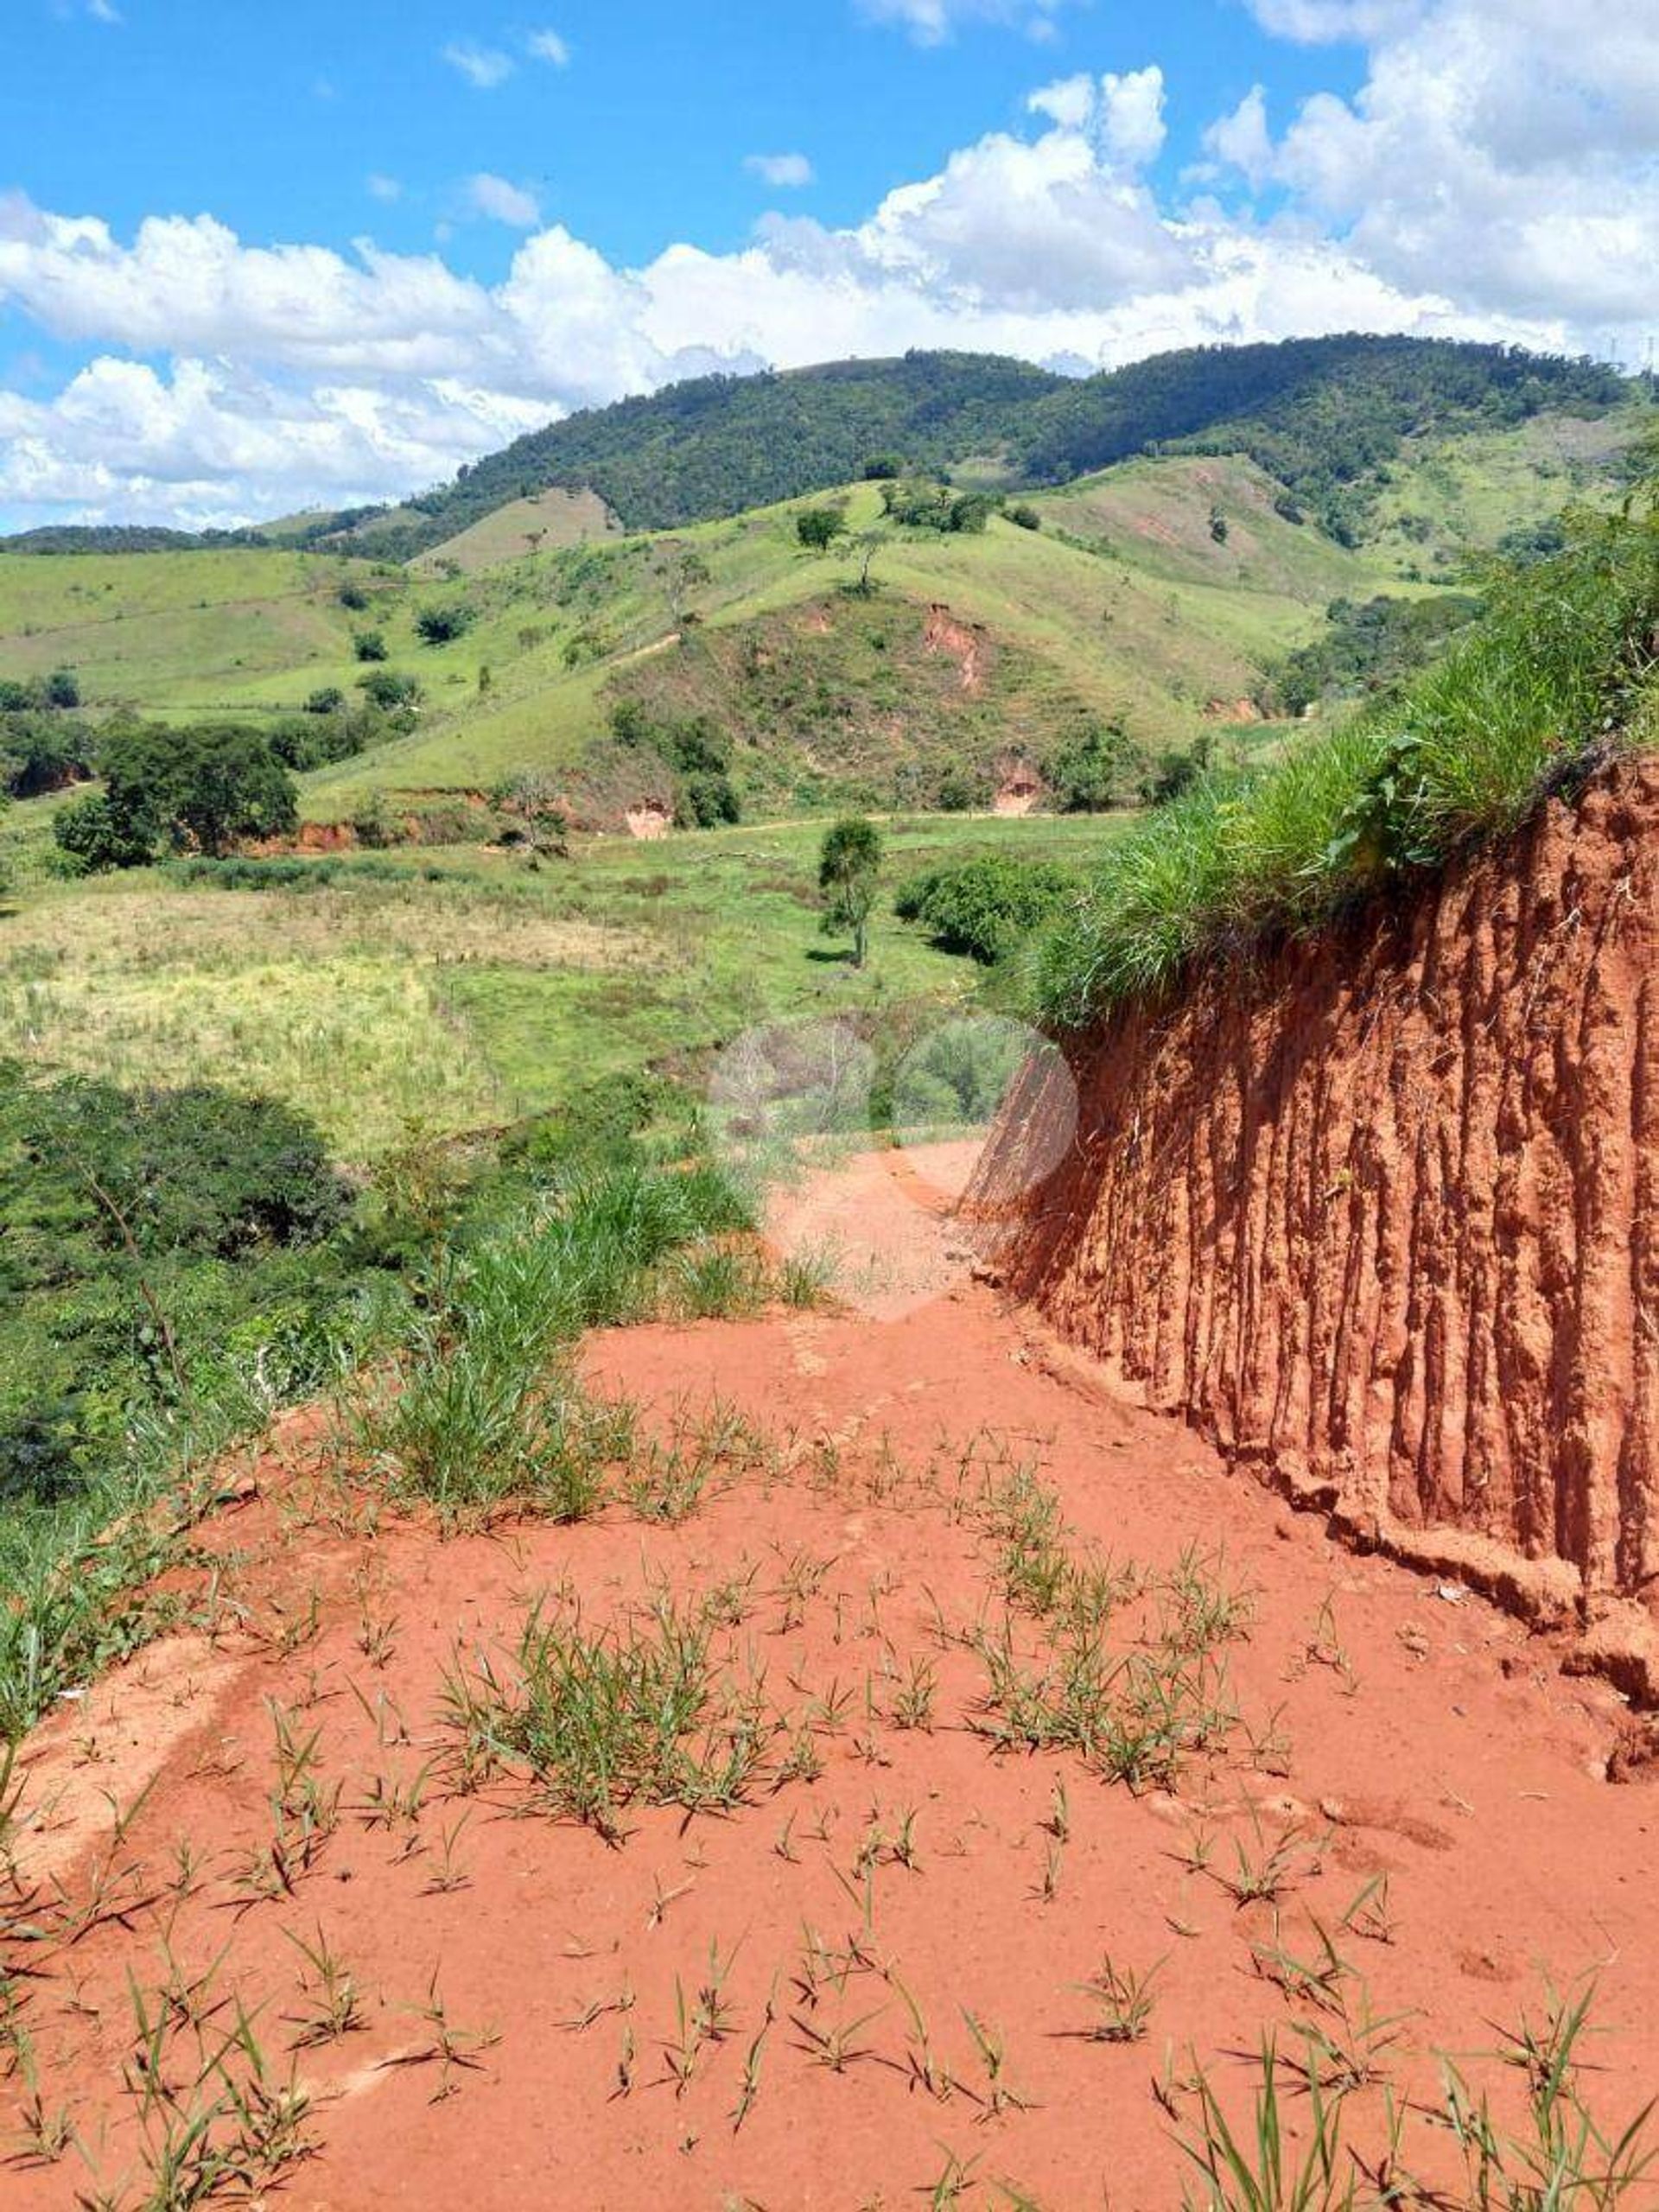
(1377,1212)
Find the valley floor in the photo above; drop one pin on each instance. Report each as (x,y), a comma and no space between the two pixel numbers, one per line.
(893,1972)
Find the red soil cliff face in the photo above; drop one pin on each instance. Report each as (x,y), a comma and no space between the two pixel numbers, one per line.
(1381,1216)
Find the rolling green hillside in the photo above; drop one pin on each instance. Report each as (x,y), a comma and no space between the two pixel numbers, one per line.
(550,518)
(1321,414)
(183,632)
(970,648)
(1158,593)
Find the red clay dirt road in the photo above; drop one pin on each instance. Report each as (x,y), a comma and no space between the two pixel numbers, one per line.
(887,1941)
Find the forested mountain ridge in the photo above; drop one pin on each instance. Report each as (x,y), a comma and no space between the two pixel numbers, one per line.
(1323,415)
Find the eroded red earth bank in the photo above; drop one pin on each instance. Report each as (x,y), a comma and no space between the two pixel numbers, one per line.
(1380,1213)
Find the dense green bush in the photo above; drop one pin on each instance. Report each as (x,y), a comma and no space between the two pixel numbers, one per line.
(42,751)
(91,837)
(390,689)
(195,1170)
(205,786)
(315,738)
(441,626)
(984,907)
(56,692)
(1095,769)
(818,528)
(147,1239)
(918,503)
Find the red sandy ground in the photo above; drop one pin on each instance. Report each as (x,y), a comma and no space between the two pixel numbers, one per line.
(1453,1757)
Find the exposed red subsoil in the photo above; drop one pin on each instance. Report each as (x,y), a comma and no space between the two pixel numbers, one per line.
(1415,1745)
(965,642)
(1380,1213)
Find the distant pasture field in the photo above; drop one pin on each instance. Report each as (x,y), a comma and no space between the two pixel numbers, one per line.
(462,990)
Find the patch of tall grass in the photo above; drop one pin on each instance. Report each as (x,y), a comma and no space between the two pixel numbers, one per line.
(1559,672)
(482,1412)
(601,1720)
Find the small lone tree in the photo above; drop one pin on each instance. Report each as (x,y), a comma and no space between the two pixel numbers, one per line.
(849,866)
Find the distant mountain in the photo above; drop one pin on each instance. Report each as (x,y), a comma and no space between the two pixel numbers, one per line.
(1323,415)
(126,538)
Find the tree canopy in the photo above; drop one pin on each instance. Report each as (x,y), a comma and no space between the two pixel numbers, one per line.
(201,789)
(849,866)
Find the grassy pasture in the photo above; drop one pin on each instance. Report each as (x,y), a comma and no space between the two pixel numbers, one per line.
(544,521)
(467,991)
(1159,644)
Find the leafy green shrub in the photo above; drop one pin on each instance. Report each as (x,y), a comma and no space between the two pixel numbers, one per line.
(983,908)
(1096,769)
(389,689)
(167,1259)
(313,741)
(369,645)
(1175,772)
(58,692)
(441,626)
(88,833)
(195,1170)
(818,528)
(958,790)
(920,504)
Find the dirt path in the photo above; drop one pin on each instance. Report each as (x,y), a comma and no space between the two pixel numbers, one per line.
(539,2016)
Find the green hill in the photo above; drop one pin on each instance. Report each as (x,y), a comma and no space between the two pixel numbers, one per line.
(1158,593)
(1322,415)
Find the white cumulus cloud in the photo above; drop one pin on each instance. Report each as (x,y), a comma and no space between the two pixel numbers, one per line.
(548,46)
(1241,140)
(483,67)
(500,201)
(930,22)
(784,172)
(1507,150)
(1495,174)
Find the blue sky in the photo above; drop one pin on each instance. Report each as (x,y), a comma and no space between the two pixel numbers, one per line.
(251,257)
(273,118)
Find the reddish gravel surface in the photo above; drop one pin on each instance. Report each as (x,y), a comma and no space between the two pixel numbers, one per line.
(1422,1764)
